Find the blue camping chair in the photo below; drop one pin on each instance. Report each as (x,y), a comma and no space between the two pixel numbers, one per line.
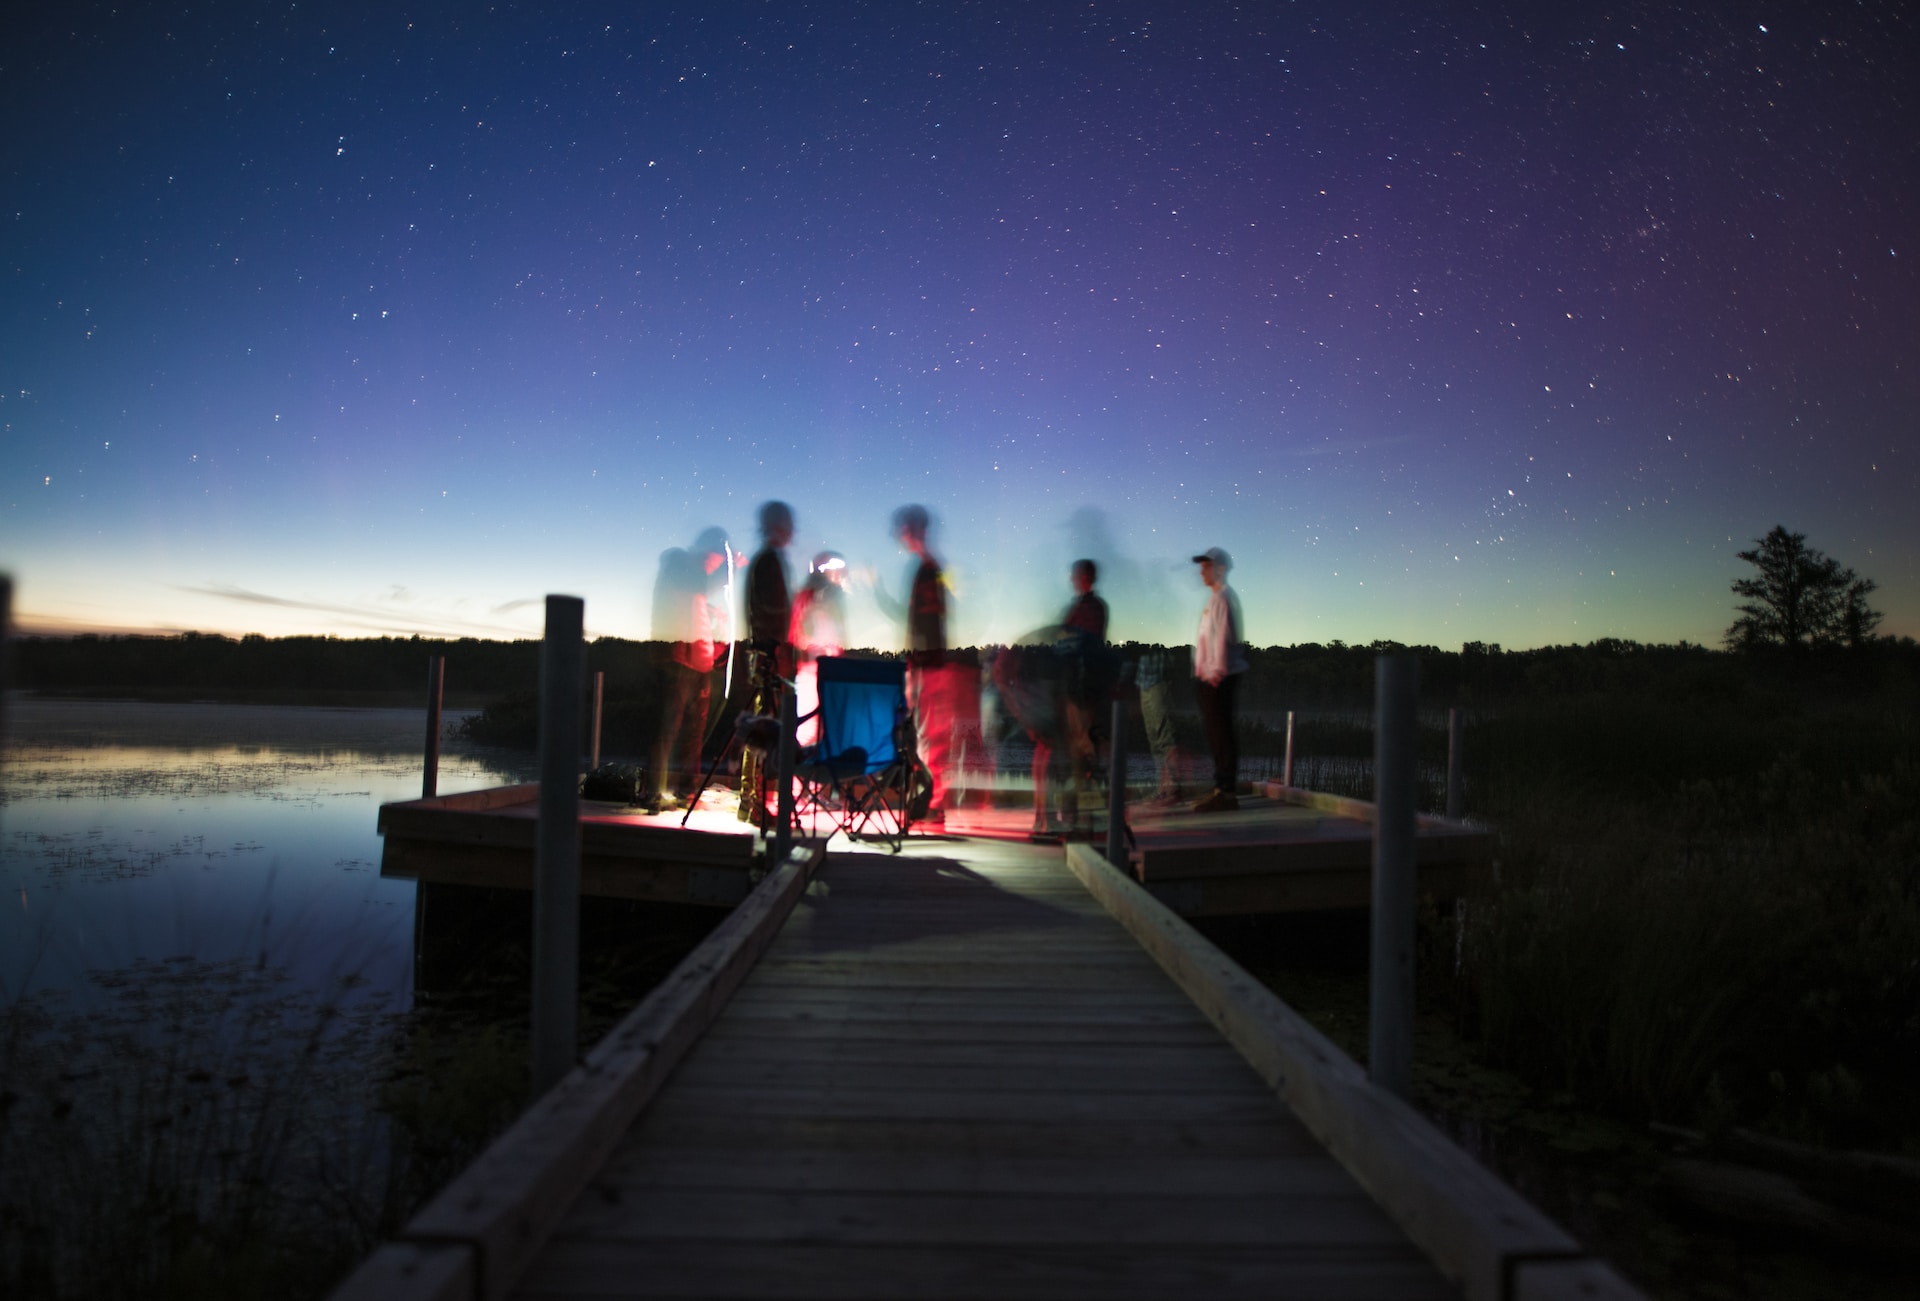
(864,774)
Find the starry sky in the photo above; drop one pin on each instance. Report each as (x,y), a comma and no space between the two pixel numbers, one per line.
(1450,322)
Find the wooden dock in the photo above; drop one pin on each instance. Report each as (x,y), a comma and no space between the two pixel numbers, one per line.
(978,1068)
(1284,850)
(486,838)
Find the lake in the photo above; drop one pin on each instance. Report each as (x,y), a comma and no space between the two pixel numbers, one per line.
(133,831)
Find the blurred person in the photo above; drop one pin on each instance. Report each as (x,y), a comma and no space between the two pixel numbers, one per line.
(1041,681)
(925,615)
(1087,612)
(770,659)
(1153,675)
(819,629)
(689,612)
(1219,660)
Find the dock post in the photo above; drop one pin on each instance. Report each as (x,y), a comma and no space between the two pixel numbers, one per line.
(556,884)
(6,647)
(436,690)
(599,694)
(783,773)
(1286,767)
(1456,764)
(1117,789)
(1395,883)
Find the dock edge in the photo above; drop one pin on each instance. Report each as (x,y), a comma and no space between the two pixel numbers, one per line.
(1478,1232)
(475,1238)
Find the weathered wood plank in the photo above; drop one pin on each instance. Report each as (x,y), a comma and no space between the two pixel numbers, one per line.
(1321,890)
(1278,1136)
(880,1273)
(1174,862)
(495,867)
(1137,1074)
(982,1174)
(753,1052)
(649,1216)
(857,1101)
(1166,1035)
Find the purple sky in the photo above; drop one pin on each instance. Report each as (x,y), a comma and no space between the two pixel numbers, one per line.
(1451,324)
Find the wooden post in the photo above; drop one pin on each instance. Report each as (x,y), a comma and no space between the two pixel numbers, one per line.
(1456,764)
(599,695)
(6,649)
(436,690)
(556,885)
(783,773)
(1117,790)
(1395,884)
(1286,770)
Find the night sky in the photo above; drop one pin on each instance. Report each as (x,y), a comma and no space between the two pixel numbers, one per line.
(1450,324)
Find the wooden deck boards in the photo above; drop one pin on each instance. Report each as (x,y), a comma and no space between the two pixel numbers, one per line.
(953,1075)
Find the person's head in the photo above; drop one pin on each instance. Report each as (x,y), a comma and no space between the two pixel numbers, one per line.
(710,550)
(1085,575)
(828,569)
(910,527)
(1214,563)
(776,523)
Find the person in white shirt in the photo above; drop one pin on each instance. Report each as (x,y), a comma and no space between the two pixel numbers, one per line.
(1218,661)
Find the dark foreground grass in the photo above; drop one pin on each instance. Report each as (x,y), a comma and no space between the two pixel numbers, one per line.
(209,1130)
(1706,914)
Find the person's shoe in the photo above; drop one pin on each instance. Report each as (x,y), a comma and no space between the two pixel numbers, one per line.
(1217,802)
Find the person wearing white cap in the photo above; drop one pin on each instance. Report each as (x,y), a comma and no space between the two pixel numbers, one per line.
(1218,661)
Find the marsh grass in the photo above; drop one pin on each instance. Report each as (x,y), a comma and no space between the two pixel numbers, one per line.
(1706,912)
(202,1132)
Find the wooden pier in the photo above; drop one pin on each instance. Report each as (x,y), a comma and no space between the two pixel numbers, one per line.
(486,838)
(977,1068)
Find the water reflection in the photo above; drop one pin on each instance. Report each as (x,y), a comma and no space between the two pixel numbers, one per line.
(145,831)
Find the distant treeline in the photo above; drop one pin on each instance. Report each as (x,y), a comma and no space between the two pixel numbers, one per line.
(1307,676)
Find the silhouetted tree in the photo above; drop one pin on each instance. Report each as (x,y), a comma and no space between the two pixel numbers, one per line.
(1801,598)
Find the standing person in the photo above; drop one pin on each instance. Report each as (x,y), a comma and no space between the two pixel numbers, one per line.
(1156,711)
(769,648)
(819,629)
(1218,662)
(925,614)
(1087,612)
(690,613)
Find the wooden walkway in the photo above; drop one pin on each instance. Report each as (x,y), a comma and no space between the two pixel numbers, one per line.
(960,1077)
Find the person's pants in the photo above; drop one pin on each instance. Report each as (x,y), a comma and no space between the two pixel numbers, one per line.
(1156,711)
(929,695)
(683,726)
(759,773)
(1216,712)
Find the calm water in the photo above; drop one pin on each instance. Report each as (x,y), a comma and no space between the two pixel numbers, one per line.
(149,831)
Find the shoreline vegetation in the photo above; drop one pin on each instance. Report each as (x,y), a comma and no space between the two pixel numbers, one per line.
(1701,941)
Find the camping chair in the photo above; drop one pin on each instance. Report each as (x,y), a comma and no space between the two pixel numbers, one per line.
(864,772)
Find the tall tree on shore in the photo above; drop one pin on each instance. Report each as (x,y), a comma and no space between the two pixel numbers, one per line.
(1800,598)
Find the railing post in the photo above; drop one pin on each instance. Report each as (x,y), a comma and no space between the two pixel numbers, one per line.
(1395,883)
(6,648)
(783,773)
(1456,764)
(1117,789)
(556,885)
(1286,770)
(436,690)
(599,694)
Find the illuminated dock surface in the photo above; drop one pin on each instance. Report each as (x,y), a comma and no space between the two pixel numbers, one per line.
(953,1074)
